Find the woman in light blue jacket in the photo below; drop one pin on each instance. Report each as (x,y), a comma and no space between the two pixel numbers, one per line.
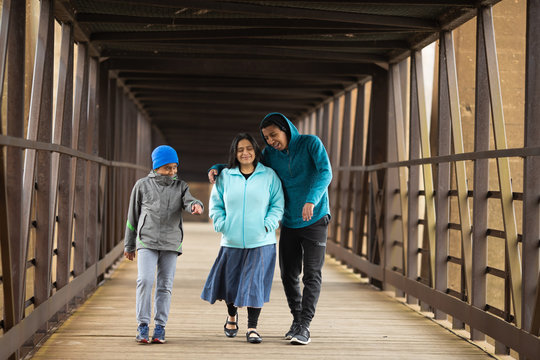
(246,206)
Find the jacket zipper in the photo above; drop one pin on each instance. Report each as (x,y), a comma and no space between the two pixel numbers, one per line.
(289,161)
(244,215)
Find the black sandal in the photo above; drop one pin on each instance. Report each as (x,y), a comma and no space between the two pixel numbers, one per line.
(231,332)
(253,339)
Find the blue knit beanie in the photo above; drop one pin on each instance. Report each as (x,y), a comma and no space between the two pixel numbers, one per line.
(163,155)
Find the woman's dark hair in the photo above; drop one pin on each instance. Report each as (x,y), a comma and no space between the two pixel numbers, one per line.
(233,161)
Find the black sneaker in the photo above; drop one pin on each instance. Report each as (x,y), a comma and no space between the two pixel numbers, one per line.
(292,331)
(302,336)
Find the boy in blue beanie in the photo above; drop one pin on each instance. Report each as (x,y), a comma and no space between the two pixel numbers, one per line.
(154,230)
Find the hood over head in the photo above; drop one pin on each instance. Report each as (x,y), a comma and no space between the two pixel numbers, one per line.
(283,124)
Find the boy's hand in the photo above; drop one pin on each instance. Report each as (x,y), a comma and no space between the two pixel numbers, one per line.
(307,211)
(129,255)
(212,176)
(196,209)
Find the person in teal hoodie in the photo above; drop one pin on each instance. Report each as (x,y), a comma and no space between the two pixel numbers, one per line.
(246,206)
(302,164)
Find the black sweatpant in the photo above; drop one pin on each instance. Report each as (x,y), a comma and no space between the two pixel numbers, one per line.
(303,246)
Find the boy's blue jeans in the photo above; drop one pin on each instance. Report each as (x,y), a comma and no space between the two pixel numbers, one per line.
(148,261)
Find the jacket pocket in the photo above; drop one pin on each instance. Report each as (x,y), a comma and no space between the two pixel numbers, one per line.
(141,224)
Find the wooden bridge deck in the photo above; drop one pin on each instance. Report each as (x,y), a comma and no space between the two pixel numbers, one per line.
(353,320)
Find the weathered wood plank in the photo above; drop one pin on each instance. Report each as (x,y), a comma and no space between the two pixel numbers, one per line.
(352,320)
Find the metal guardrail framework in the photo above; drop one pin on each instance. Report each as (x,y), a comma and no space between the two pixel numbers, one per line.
(66,213)
(375,193)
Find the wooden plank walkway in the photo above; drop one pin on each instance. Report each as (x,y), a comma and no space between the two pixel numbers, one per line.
(353,320)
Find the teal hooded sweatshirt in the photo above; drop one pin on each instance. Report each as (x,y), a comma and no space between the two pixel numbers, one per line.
(305,172)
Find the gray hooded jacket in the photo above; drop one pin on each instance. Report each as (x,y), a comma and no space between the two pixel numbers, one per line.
(155,213)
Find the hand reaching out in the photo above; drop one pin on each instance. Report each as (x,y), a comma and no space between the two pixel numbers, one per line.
(196,209)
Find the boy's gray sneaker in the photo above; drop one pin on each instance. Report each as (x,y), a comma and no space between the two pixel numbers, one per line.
(302,336)
(292,331)
(142,334)
(159,335)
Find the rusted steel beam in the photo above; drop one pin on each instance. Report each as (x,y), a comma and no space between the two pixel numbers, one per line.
(293,12)
(92,169)
(63,135)
(254,32)
(44,202)
(443,178)
(503,165)
(531,177)
(481,179)
(427,171)
(225,67)
(461,173)
(80,131)
(345,186)
(14,156)
(36,99)
(335,139)
(399,137)
(279,23)
(360,179)
(8,288)
(111,188)
(413,198)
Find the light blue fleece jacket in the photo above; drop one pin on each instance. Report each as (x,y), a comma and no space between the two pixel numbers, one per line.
(247,212)
(305,172)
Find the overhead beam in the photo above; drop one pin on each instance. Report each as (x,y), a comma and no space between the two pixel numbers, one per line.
(287,12)
(220,97)
(244,22)
(286,78)
(209,66)
(252,53)
(294,91)
(141,36)
(401,42)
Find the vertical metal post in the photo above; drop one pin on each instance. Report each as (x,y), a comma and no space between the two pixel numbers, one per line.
(326,125)
(399,137)
(503,164)
(44,241)
(414,183)
(103,152)
(14,156)
(38,83)
(443,179)
(91,167)
(461,173)
(427,170)
(62,135)
(5,246)
(80,131)
(345,161)
(481,178)
(319,122)
(531,179)
(360,178)
(334,160)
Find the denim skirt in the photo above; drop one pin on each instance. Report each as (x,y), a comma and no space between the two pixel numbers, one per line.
(242,277)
